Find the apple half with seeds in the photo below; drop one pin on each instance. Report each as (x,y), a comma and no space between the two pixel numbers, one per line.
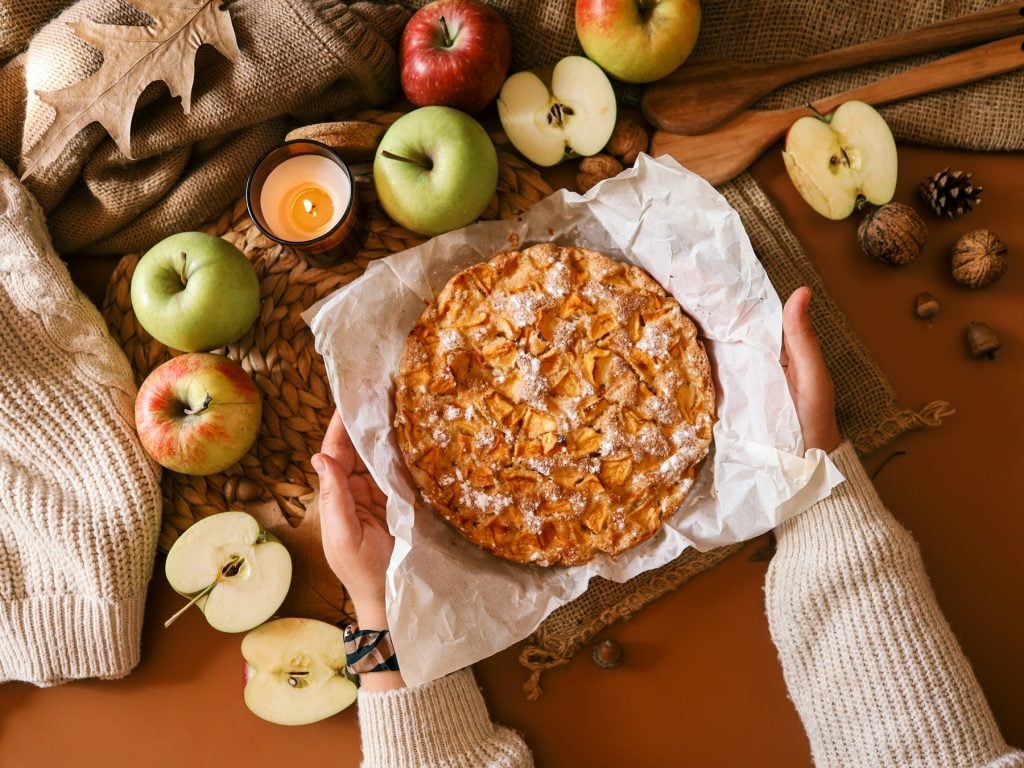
(235,572)
(555,114)
(295,671)
(835,160)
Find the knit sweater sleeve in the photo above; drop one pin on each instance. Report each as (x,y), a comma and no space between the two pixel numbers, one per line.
(873,668)
(80,508)
(441,723)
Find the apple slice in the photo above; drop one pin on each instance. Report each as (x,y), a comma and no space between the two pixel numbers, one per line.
(295,671)
(834,161)
(551,115)
(236,573)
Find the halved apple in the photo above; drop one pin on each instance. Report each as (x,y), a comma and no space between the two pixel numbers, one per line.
(236,573)
(554,114)
(295,671)
(834,161)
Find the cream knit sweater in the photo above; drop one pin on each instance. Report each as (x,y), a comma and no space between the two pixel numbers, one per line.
(79,499)
(871,664)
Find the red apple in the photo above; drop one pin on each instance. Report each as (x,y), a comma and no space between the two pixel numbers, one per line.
(198,413)
(454,53)
(638,41)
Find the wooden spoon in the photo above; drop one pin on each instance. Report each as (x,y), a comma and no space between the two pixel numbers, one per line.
(725,153)
(700,96)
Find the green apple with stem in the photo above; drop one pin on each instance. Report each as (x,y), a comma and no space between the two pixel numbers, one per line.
(435,170)
(836,161)
(236,573)
(295,671)
(195,292)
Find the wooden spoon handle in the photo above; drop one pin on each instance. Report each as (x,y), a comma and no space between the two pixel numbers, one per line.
(726,152)
(974,28)
(700,96)
(957,69)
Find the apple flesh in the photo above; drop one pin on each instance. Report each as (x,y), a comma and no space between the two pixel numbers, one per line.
(198,413)
(551,115)
(237,574)
(195,292)
(295,671)
(454,53)
(435,170)
(638,41)
(836,160)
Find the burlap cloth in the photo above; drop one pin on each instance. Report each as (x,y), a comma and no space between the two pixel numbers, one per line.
(321,57)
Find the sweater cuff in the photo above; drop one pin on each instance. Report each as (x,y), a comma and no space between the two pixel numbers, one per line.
(443,722)
(854,503)
(51,639)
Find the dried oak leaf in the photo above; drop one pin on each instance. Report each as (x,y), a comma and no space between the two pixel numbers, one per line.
(133,57)
(316,592)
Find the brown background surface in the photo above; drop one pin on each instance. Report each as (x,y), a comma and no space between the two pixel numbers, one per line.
(701,685)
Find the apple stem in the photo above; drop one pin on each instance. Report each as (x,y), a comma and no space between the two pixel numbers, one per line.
(816,112)
(393,156)
(189,604)
(201,408)
(444,31)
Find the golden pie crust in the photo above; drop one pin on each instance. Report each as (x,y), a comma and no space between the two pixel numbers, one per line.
(553,404)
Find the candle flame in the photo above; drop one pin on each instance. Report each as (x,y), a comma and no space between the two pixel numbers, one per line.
(308,205)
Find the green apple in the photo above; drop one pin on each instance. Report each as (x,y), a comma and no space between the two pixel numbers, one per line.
(295,671)
(236,573)
(435,170)
(835,160)
(554,114)
(198,414)
(638,41)
(195,292)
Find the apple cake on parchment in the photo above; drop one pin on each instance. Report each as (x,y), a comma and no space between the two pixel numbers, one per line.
(553,404)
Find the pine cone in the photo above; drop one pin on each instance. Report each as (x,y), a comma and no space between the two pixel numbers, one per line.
(950,193)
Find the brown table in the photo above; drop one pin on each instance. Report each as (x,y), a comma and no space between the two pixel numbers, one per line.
(701,685)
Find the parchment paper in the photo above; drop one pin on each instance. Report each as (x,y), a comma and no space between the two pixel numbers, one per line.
(451,604)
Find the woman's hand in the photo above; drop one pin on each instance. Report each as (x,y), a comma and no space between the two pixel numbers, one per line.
(810,384)
(353,524)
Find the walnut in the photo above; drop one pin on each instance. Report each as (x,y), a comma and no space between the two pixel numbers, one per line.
(892,234)
(628,140)
(979,259)
(594,169)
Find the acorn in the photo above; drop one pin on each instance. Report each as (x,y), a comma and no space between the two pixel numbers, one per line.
(982,341)
(979,259)
(607,654)
(892,234)
(926,306)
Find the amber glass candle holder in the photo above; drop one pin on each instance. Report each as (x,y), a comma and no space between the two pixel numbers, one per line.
(301,194)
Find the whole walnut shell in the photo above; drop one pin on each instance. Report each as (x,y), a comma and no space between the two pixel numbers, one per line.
(628,140)
(892,234)
(594,169)
(979,259)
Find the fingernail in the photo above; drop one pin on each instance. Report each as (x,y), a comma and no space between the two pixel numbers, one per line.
(318,463)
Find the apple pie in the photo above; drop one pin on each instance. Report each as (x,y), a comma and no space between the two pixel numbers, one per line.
(554,404)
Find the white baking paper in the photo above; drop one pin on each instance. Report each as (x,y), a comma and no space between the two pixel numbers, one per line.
(451,604)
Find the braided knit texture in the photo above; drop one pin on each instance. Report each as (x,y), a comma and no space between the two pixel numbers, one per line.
(80,508)
(443,724)
(872,666)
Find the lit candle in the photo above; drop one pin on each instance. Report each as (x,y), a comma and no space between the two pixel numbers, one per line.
(301,194)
